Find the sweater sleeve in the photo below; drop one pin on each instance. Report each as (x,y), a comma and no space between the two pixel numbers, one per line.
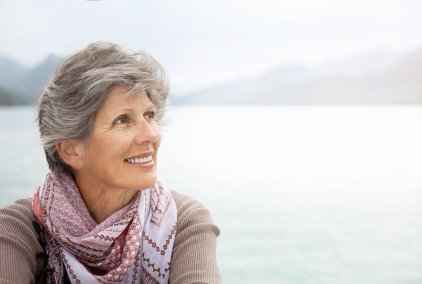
(194,252)
(18,243)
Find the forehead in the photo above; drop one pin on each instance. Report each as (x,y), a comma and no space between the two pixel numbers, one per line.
(118,99)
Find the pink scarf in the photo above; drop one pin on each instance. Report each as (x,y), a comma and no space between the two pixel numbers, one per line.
(133,245)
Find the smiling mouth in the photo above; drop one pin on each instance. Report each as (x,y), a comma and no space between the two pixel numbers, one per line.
(143,160)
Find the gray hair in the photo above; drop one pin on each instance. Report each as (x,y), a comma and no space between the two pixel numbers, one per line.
(68,104)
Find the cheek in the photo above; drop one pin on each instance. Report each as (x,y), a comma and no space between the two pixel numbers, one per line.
(158,140)
(156,129)
(109,147)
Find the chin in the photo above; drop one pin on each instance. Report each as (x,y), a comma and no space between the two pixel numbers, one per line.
(147,183)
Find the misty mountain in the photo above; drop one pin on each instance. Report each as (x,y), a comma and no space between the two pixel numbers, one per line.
(373,78)
(10,71)
(6,98)
(364,63)
(378,78)
(20,85)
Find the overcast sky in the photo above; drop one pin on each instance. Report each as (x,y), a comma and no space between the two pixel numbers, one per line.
(205,42)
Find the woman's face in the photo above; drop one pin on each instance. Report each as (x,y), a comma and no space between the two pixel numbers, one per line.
(121,153)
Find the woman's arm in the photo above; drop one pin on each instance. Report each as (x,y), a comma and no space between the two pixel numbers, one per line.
(194,252)
(18,243)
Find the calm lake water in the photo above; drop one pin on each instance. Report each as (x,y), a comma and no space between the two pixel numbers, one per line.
(327,194)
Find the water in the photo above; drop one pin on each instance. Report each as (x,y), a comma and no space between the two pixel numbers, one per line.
(301,194)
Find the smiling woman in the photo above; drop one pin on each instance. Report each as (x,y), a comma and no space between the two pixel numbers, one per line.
(120,155)
(100,215)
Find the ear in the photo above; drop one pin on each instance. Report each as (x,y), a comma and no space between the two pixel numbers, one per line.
(71,152)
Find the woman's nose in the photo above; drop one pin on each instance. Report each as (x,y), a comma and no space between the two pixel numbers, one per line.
(146,132)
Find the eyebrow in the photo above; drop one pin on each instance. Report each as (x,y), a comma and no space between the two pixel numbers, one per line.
(131,110)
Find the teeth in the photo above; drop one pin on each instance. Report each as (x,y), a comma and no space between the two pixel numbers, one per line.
(139,160)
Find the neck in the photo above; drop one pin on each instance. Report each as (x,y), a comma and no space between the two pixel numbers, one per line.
(103,202)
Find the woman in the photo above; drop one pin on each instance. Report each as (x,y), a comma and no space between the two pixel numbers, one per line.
(100,215)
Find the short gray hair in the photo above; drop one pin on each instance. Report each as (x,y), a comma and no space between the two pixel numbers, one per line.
(68,104)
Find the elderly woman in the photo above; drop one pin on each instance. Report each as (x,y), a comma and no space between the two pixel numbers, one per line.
(100,215)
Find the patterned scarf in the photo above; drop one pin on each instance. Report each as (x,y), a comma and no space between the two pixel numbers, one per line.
(133,245)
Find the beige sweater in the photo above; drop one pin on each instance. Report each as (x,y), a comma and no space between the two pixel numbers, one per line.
(193,258)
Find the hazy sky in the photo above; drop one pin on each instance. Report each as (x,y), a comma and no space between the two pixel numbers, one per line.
(205,42)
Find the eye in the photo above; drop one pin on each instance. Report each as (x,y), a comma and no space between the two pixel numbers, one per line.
(121,120)
(150,116)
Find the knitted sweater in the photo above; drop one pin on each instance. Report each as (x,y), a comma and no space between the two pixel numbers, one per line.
(193,257)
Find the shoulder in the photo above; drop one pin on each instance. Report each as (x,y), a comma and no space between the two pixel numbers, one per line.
(18,242)
(17,217)
(191,211)
(194,251)
(184,202)
(16,224)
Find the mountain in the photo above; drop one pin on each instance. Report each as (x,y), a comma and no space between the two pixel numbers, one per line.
(6,98)
(30,84)
(364,63)
(9,71)
(372,79)
(20,85)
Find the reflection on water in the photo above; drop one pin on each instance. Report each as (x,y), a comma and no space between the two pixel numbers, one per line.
(301,194)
